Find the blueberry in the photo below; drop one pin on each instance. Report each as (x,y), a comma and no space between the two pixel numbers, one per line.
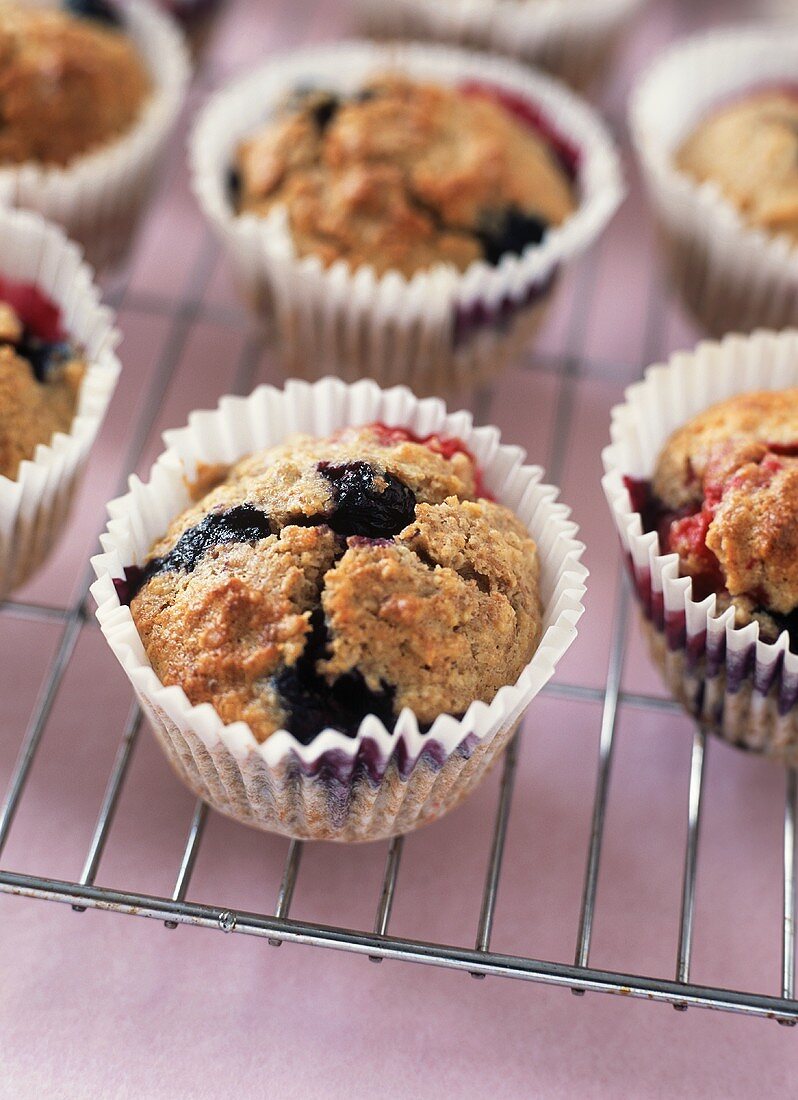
(233,183)
(43,355)
(98,10)
(311,704)
(240,524)
(324,111)
(323,105)
(509,230)
(360,507)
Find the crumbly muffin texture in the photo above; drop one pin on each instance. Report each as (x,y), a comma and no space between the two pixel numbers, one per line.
(728,484)
(68,84)
(750,150)
(324,580)
(404,175)
(39,388)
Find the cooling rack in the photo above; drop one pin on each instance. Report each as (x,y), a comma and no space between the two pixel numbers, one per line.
(566,358)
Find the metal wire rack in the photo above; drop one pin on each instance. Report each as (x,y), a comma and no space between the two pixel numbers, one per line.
(377,942)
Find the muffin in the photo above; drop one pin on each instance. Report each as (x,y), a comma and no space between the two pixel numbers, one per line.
(401,213)
(724,498)
(711,532)
(573,39)
(339,630)
(89,92)
(404,175)
(40,374)
(58,371)
(325,580)
(713,122)
(71,81)
(749,150)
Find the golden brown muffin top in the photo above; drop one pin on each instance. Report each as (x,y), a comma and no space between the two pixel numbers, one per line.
(729,477)
(404,175)
(323,580)
(749,148)
(39,388)
(68,85)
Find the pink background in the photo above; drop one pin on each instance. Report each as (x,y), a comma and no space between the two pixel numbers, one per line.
(98,1005)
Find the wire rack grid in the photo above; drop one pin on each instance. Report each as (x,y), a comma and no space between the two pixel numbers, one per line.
(570,364)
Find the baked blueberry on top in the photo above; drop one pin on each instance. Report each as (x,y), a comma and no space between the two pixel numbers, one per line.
(324,580)
(71,81)
(724,497)
(405,174)
(40,374)
(749,149)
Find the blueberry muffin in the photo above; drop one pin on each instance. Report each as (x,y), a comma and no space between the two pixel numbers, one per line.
(405,174)
(40,375)
(324,580)
(70,82)
(749,149)
(724,497)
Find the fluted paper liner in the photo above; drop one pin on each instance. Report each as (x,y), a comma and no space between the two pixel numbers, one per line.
(733,277)
(98,198)
(573,39)
(376,784)
(34,505)
(442,328)
(739,687)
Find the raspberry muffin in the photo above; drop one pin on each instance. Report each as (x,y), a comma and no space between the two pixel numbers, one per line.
(71,81)
(749,150)
(339,630)
(702,479)
(40,374)
(401,213)
(404,175)
(89,92)
(58,371)
(724,497)
(325,580)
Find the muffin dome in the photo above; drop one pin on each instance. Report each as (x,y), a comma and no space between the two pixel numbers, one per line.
(40,375)
(406,174)
(68,84)
(750,150)
(324,580)
(725,498)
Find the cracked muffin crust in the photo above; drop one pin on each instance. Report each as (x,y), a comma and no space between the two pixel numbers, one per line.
(407,174)
(69,83)
(324,580)
(40,375)
(749,148)
(724,497)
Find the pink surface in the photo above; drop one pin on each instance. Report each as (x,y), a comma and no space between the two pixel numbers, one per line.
(98,1005)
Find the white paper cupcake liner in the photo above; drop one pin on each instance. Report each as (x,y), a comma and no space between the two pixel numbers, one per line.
(732,277)
(573,39)
(440,329)
(34,506)
(376,784)
(737,686)
(98,198)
